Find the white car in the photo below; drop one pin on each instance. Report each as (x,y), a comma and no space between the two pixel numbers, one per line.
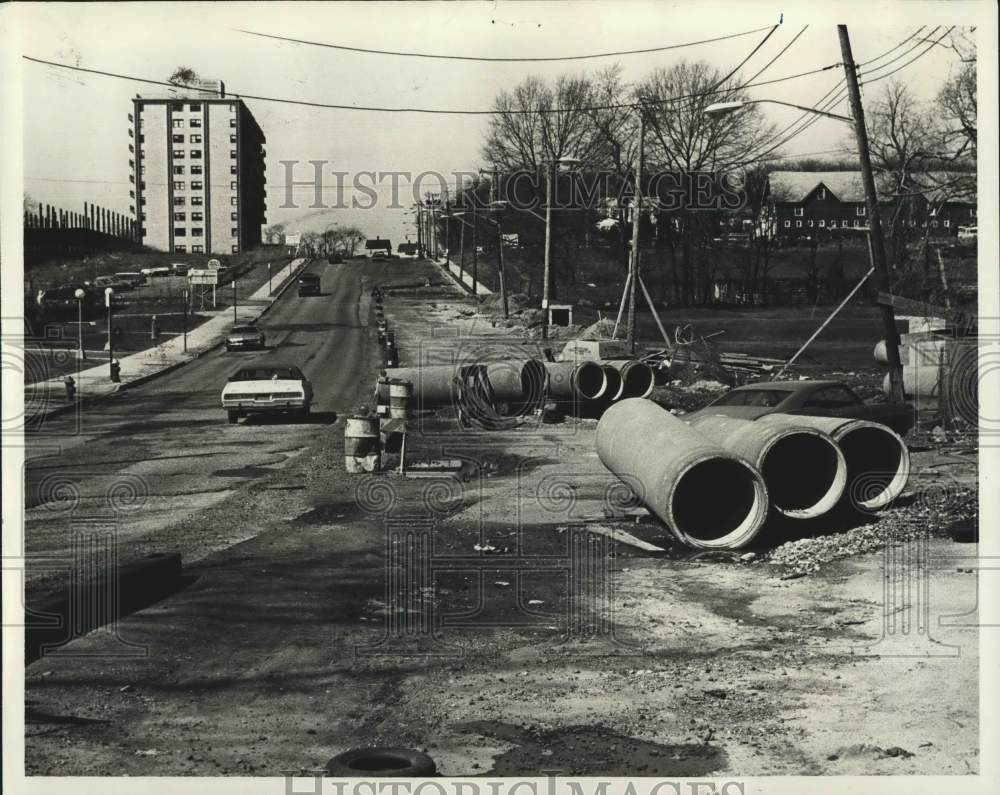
(266,388)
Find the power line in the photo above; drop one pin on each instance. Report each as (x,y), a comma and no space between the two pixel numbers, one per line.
(917,57)
(780,53)
(879,57)
(499,60)
(435,111)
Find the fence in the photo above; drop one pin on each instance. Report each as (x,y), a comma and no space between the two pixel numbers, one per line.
(93,218)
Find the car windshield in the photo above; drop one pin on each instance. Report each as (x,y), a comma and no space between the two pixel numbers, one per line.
(244,329)
(268,374)
(767,398)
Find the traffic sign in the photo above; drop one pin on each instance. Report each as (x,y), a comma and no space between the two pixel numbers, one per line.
(203,276)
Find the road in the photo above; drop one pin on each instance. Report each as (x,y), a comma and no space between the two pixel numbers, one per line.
(156,456)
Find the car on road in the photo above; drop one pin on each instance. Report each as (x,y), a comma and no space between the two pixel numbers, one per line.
(133,278)
(179,268)
(818,398)
(266,388)
(379,256)
(245,338)
(309,284)
(153,273)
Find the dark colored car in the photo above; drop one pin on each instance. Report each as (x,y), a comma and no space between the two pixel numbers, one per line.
(817,398)
(309,284)
(335,259)
(245,338)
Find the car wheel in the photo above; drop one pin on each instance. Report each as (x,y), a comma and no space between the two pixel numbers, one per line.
(233,417)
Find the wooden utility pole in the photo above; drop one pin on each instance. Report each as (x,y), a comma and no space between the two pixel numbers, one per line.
(874,220)
(636,213)
(500,271)
(420,234)
(475,244)
(550,168)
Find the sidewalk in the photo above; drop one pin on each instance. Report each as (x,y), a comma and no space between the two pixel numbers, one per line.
(464,279)
(48,397)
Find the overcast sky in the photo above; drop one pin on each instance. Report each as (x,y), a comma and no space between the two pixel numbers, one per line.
(76,127)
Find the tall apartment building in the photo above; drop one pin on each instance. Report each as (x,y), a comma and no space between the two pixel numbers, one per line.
(197,171)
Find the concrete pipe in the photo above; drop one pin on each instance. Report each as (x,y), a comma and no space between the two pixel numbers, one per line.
(878,462)
(638,378)
(576,381)
(615,384)
(517,380)
(920,383)
(432,385)
(708,497)
(803,468)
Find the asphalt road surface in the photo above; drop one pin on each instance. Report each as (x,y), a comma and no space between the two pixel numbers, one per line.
(148,460)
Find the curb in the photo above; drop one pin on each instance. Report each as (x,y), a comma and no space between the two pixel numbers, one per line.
(144,379)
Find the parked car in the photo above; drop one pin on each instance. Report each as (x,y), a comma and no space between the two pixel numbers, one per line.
(179,268)
(379,256)
(116,284)
(968,232)
(266,388)
(309,284)
(818,398)
(133,278)
(153,273)
(245,338)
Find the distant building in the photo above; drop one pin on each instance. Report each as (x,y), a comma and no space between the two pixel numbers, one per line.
(812,203)
(407,249)
(197,171)
(378,245)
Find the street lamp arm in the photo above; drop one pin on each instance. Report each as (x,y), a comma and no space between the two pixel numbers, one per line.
(817,111)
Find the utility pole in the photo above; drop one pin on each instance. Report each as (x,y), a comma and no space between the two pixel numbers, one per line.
(500,270)
(636,213)
(548,248)
(874,220)
(475,244)
(420,234)
(461,251)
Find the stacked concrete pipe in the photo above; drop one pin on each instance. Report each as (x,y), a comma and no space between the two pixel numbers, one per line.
(878,461)
(638,378)
(433,385)
(517,381)
(803,468)
(708,497)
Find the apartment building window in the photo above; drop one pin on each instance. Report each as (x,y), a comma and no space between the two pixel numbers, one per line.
(857,223)
(234,201)
(196,154)
(822,223)
(131,148)
(843,224)
(179,185)
(234,216)
(234,185)
(142,201)
(798,224)
(860,210)
(232,153)
(197,232)
(142,139)
(142,169)
(197,185)
(177,139)
(178,169)
(142,184)
(196,106)
(179,201)
(232,138)
(198,200)
(234,232)
(197,216)
(787,224)
(234,169)
(232,122)
(810,224)
(178,123)
(195,169)
(197,249)
(799,211)
(236,249)
(131,178)
(180,249)
(178,154)
(196,139)
(947,223)
(142,217)
(180,216)
(196,122)
(180,232)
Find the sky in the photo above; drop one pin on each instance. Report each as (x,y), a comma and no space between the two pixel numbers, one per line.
(75,125)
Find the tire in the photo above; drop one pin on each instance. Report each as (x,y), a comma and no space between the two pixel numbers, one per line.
(233,417)
(381,763)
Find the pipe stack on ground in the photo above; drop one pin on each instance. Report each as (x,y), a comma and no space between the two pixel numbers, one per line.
(708,497)
(576,381)
(521,381)
(804,470)
(878,462)
(638,378)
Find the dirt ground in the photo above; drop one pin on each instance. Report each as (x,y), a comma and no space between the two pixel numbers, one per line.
(500,621)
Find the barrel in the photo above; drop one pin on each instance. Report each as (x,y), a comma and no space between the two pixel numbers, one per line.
(400,397)
(361,444)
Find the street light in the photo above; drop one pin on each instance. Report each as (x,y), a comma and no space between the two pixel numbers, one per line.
(719,109)
(565,164)
(108,292)
(79,295)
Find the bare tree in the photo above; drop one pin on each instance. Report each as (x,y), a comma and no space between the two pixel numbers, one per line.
(183,76)
(957,98)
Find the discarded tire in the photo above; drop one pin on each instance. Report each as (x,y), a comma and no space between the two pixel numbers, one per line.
(381,763)
(708,497)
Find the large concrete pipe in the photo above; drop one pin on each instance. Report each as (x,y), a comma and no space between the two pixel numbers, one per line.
(615,384)
(432,385)
(878,462)
(517,380)
(920,383)
(576,381)
(803,468)
(708,497)
(638,379)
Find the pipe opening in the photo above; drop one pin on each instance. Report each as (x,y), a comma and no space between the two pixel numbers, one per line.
(805,474)
(718,503)
(638,380)
(878,465)
(590,381)
(615,385)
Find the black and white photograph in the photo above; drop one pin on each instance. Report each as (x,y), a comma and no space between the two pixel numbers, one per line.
(462,398)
